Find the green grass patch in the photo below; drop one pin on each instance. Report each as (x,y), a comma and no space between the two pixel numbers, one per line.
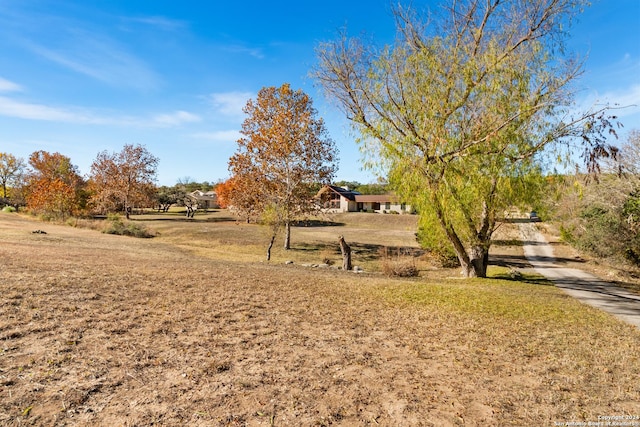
(496,300)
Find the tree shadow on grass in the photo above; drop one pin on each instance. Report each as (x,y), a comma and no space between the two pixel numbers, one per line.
(532,279)
(317,223)
(363,251)
(510,242)
(182,217)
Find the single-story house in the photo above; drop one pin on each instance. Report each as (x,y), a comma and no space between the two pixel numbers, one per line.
(339,199)
(205,199)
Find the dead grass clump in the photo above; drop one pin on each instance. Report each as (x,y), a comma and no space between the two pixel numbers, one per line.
(116,225)
(398,263)
(329,255)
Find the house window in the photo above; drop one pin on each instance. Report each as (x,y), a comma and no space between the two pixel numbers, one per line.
(403,207)
(334,203)
(387,205)
(375,206)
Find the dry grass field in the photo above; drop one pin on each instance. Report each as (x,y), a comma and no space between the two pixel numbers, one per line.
(193,328)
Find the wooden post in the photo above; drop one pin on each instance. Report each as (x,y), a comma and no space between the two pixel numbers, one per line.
(346,254)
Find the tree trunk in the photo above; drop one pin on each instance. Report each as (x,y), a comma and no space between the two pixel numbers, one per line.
(273,238)
(474,261)
(287,236)
(478,261)
(346,254)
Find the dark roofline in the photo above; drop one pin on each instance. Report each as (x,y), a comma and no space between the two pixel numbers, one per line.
(347,194)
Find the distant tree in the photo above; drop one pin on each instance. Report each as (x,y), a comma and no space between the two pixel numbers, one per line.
(54,185)
(373,189)
(629,162)
(167,196)
(190,185)
(602,217)
(463,107)
(224,192)
(11,170)
(351,185)
(237,194)
(284,152)
(121,181)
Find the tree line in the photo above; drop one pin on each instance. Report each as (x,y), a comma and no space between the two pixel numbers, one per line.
(463,115)
(49,184)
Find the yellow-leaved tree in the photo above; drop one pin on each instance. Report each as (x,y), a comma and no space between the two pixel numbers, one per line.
(464,111)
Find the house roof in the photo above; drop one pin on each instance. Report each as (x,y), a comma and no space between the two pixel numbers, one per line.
(201,195)
(344,192)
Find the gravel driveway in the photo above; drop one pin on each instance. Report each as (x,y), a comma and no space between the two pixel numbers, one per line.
(577,283)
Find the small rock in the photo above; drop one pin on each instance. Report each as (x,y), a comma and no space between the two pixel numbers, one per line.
(515,274)
(289,262)
(38,232)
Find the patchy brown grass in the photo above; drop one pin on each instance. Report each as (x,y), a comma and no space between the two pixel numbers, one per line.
(187,329)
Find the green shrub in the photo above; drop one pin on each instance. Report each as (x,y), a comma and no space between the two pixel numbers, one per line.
(116,225)
(440,249)
(566,234)
(9,209)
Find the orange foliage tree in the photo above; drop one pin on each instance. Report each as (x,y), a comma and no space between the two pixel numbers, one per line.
(124,180)
(223,193)
(285,150)
(54,185)
(236,195)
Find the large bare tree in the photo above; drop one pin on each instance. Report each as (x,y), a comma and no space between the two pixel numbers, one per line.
(462,108)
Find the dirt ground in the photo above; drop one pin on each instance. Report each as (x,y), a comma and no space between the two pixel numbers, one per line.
(106,330)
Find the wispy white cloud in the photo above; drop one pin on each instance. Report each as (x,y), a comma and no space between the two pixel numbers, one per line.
(626,100)
(40,112)
(9,86)
(98,57)
(30,111)
(245,50)
(230,103)
(176,118)
(218,136)
(159,22)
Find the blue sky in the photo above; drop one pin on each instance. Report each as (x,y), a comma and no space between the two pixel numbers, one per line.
(80,77)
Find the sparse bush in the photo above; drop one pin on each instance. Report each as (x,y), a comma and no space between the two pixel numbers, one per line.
(116,225)
(398,264)
(566,234)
